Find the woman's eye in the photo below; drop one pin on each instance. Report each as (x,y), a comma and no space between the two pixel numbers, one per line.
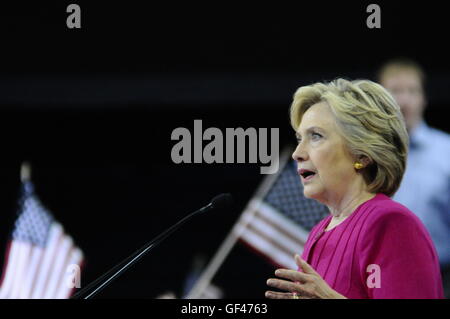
(315,136)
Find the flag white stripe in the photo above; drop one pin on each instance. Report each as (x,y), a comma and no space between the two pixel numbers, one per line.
(287,224)
(56,232)
(61,254)
(271,232)
(11,268)
(24,255)
(267,248)
(75,258)
(30,276)
(39,253)
(258,207)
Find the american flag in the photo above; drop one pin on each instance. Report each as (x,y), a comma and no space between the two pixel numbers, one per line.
(42,261)
(277,220)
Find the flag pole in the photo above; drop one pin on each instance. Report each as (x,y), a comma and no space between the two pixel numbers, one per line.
(233,236)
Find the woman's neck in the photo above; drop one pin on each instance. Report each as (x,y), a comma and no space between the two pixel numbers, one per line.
(344,206)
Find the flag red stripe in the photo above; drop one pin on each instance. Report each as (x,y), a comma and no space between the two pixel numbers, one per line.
(277,244)
(280,228)
(5,263)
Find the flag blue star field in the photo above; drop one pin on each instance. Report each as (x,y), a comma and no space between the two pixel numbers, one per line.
(41,258)
(278,219)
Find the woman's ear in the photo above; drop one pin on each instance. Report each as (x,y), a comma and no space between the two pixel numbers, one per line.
(366,161)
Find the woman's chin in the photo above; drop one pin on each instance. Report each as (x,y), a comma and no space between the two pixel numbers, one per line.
(309,192)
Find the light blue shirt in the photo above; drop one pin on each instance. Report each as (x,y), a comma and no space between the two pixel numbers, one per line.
(425,188)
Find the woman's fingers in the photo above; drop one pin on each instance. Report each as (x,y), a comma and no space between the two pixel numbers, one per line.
(293,275)
(292,287)
(306,283)
(285,295)
(279,295)
(283,285)
(304,266)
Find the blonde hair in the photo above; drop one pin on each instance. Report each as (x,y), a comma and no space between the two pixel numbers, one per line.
(370,122)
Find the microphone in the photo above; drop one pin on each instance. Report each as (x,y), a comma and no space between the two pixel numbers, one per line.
(222,201)
(218,202)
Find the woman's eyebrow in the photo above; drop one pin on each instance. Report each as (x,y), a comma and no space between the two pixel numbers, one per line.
(314,128)
(310,129)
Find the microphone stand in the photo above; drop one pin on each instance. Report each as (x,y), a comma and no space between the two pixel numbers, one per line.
(104,280)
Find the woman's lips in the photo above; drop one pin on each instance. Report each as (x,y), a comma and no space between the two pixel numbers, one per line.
(307,179)
(306,175)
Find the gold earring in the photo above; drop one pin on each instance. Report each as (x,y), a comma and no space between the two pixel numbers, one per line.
(358,165)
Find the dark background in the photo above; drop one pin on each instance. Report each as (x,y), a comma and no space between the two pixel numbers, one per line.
(93,110)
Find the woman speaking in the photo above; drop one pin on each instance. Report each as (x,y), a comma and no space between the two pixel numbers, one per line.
(351,155)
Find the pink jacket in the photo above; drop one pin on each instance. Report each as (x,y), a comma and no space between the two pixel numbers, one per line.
(382,250)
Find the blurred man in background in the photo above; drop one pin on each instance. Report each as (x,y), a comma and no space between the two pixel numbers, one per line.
(425,188)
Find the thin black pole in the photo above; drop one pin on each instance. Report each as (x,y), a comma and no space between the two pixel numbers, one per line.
(104,280)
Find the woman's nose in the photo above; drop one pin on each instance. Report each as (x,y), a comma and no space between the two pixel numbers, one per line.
(299,154)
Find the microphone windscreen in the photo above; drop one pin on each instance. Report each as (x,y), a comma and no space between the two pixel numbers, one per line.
(222,200)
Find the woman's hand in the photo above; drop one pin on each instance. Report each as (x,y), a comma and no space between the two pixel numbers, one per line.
(301,285)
